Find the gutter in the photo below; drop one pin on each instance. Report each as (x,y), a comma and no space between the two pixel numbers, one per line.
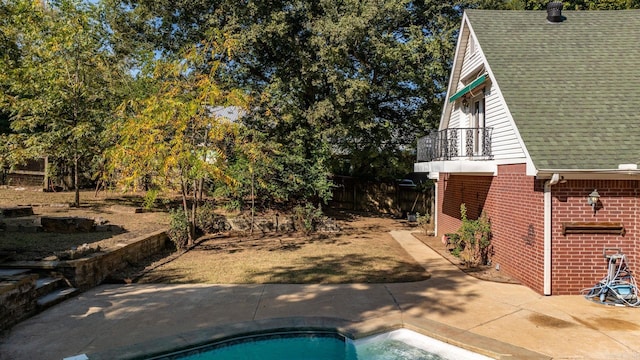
(555,178)
(623,169)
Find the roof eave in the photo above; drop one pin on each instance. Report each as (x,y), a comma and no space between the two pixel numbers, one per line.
(591,174)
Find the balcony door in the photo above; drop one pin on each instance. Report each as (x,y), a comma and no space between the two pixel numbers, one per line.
(477,124)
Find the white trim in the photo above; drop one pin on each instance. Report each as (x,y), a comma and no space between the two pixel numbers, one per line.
(466,31)
(471,167)
(435,209)
(423,167)
(489,165)
(531,170)
(455,70)
(591,174)
(547,245)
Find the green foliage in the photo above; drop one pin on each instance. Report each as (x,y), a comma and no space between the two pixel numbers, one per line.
(58,83)
(474,239)
(170,133)
(150,199)
(424,221)
(307,217)
(178,228)
(359,82)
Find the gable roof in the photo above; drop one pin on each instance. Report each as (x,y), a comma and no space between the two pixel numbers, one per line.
(572,88)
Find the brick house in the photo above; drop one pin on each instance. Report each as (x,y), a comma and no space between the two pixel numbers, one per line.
(543,110)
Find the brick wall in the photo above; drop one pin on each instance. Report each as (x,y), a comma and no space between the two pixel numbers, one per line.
(514,204)
(578,260)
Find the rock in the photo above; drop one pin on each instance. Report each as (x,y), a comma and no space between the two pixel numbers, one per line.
(17,211)
(240,224)
(328,225)
(60,205)
(286,225)
(126,209)
(67,224)
(100,220)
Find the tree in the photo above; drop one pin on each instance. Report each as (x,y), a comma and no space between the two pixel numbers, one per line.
(332,80)
(57,83)
(170,134)
(359,82)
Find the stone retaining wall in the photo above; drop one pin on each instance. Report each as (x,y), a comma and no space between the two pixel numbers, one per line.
(88,272)
(17,299)
(18,294)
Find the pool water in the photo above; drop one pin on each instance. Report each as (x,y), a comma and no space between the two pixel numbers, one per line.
(316,346)
(400,344)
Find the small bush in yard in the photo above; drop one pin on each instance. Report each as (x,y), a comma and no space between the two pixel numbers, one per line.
(307,217)
(178,228)
(475,239)
(424,222)
(150,199)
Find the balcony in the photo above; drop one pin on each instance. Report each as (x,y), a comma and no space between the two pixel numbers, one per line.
(456,144)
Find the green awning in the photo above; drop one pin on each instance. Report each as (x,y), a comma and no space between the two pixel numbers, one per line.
(474,84)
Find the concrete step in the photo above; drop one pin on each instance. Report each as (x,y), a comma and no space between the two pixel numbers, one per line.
(46,285)
(55,297)
(7,273)
(34,266)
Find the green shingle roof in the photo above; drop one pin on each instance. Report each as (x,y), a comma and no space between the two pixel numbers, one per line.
(572,88)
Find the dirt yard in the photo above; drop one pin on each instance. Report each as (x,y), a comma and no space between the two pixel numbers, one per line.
(108,208)
(363,251)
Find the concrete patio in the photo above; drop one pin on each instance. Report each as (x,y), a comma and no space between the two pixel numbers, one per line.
(503,321)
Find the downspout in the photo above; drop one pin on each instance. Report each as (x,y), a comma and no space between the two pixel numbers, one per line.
(555,178)
(434,208)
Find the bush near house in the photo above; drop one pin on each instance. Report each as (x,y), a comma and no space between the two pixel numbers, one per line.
(473,239)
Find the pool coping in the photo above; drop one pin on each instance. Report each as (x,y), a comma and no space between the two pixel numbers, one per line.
(350,329)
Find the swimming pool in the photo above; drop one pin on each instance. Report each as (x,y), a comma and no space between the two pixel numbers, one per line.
(402,344)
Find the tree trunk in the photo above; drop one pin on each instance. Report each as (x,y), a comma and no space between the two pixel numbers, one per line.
(76,180)
(253,202)
(45,184)
(200,189)
(185,208)
(194,207)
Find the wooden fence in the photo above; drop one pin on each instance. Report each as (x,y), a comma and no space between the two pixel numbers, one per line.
(354,194)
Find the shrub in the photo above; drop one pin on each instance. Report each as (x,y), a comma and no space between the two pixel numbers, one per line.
(233,205)
(307,217)
(424,222)
(150,199)
(178,228)
(474,239)
(453,240)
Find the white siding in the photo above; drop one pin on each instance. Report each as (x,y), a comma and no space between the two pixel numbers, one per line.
(472,62)
(505,144)
(504,141)
(456,118)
